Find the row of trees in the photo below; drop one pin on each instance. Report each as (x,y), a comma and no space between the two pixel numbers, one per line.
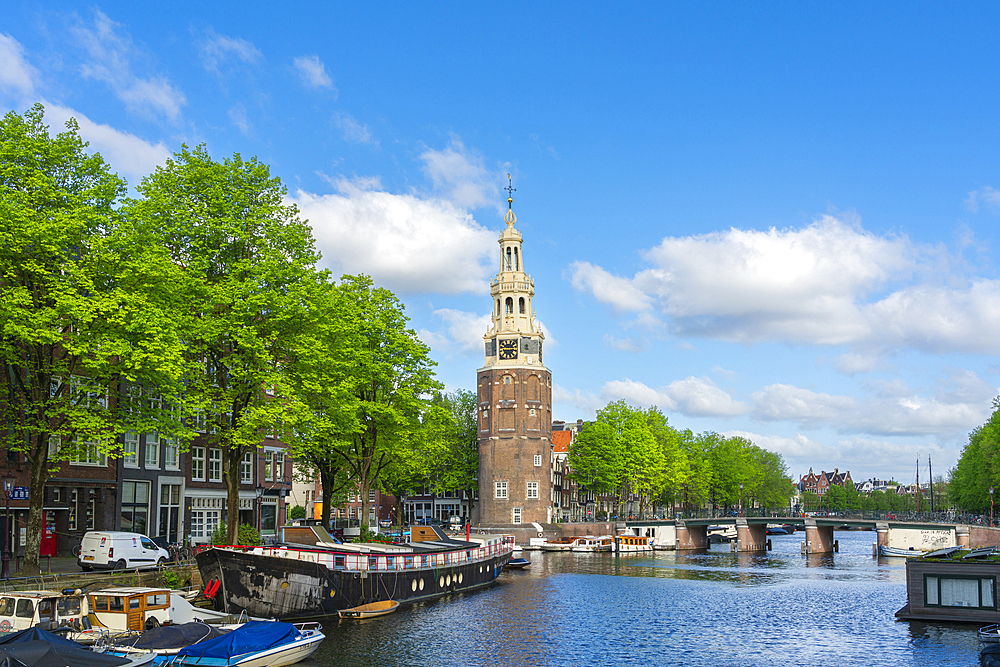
(630,451)
(198,307)
(978,468)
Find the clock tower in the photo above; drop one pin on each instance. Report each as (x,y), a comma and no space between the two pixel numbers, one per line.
(515,397)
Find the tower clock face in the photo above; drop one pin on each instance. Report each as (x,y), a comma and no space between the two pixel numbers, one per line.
(508,349)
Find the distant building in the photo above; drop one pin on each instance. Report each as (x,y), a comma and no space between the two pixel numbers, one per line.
(821,483)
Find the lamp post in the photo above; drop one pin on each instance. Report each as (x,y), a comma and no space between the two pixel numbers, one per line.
(8,488)
(991,506)
(741,498)
(260,495)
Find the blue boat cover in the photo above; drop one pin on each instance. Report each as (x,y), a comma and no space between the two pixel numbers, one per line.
(252,637)
(36,634)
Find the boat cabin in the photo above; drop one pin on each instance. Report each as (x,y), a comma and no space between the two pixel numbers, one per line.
(953,585)
(22,609)
(132,609)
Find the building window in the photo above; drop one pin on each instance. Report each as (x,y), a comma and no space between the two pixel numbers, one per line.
(135,507)
(268,466)
(131,458)
(500,489)
(371,495)
(170,508)
(74,499)
(205,517)
(538,458)
(974,592)
(279,466)
(198,464)
(509,305)
(532,489)
(171,455)
(268,517)
(88,454)
(246,469)
(520,306)
(215,465)
(516,517)
(153,450)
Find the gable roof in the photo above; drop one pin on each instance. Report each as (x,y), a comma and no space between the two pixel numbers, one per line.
(561,440)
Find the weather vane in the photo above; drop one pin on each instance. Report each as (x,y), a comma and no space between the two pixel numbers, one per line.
(510,191)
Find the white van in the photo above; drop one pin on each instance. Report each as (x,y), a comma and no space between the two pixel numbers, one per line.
(115,550)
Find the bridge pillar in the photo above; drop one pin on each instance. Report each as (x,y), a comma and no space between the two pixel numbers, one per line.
(819,539)
(691,537)
(750,537)
(962,536)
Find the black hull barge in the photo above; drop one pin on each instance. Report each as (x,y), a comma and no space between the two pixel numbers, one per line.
(304,580)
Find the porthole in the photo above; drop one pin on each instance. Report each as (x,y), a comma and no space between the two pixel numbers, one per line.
(421,584)
(460,577)
(284,585)
(447,580)
(480,569)
(441,583)
(413,586)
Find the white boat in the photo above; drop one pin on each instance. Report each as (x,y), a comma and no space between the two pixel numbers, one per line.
(49,610)
(591,544)
(896,552)
(255,644)
(990,634)
(632,544)
(562,544)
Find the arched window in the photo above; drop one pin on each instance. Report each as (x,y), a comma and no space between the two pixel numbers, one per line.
(498,306)
(520,305)
(510,306)
(515,260)
(508,259)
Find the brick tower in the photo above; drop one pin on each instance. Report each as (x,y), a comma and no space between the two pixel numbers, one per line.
(515,398)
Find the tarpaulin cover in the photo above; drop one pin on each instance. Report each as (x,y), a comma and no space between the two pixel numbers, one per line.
(38,653)
(173,636)
(36,634)
(251,637)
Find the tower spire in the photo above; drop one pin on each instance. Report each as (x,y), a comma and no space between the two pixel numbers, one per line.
(510,218)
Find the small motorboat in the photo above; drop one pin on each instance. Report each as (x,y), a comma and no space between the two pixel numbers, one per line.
(990,634)
(775,529)
(255,644)
(896,552)
(370,610)
(518,563)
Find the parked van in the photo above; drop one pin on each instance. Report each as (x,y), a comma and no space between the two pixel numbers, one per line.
(115,550)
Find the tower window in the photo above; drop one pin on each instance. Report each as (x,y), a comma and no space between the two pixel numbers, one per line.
(510,305)
(515,260)
(508,259)
(498,306)
(520,305)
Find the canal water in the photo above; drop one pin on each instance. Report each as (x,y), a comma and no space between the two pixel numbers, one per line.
(713,608)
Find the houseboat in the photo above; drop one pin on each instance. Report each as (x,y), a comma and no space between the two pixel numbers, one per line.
(49,610)
(562,544)
(632,544)
(953,584)
(316,576)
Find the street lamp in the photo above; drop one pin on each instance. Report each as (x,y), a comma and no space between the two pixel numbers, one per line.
(991,506)
(260,495)
(741,498)
(8,488)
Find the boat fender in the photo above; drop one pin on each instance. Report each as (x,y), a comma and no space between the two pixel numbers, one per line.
(212,588)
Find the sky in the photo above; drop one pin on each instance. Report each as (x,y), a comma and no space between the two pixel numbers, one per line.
(773,220)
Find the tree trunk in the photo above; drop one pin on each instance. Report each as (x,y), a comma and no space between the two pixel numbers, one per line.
(326,481)
(36,500)
(231,458)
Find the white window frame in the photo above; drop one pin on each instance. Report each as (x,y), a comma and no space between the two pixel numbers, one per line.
(538,460)
(516,516)
(171,454)
(153,451)
(130,457)
(92,455)
(268,466)
(246,468)
(198,464)
(532,490)
(279,466)
(499,489)
(215,465)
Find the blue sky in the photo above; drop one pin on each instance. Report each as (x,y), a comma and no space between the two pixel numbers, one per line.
(775,220)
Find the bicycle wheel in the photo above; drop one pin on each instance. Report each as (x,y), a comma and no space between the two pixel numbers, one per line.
(76,551)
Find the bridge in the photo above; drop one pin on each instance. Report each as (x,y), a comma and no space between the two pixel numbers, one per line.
(751,532)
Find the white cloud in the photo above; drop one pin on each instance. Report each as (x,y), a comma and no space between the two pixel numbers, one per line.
(17,76)
(619,293)
(693,397)
(854,362)
(988,196)
(796,448)
(407,244)
(216,49)
(782,402)
(126,153)
(238,116)
(354,132)
(634,344)
(465,329)
(313,72)
(461,175)
(111,51)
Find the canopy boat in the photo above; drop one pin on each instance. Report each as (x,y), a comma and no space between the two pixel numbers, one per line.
(518,563)
(371,610)
(35,647)
(255,644)
(20,610)
(593,544)
(562,544)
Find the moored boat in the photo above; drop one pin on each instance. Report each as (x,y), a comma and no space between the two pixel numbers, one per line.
(35,647)
(370,610)
(632,544)
(518,563)
(990,634)
(561,544)
(301,580)
(255,644)
(592,544)
(897,552)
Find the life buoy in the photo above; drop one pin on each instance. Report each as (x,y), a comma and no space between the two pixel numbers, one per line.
(539,534)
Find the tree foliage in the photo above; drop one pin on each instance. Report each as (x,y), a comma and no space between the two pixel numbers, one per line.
(978,468)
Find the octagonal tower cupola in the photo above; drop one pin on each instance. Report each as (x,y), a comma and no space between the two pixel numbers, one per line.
(513,288)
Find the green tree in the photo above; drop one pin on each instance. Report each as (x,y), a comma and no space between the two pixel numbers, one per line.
(85,306)
(297,512)
(246,256)
(978,468)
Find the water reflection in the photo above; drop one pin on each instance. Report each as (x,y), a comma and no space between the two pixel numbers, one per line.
(706,608)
